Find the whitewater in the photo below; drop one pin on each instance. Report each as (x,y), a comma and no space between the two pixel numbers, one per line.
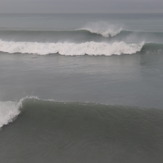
(72,49)
(94,39)
(9,110)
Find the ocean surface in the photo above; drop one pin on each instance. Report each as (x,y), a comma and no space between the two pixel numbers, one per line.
(81,88)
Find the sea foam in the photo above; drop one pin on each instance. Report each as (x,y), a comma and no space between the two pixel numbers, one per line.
(71,49)
(9,110)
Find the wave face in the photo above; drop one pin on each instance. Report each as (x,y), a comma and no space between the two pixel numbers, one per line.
(52,131)
(70,49)
(9,110)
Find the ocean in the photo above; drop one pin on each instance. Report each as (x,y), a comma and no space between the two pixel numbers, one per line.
(81,88)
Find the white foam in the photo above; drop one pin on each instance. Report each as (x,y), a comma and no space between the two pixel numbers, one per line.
(9,110)
(103,28)
(70,49)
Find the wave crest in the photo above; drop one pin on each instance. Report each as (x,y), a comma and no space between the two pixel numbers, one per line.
(70,49)
(104,29)
(9,110)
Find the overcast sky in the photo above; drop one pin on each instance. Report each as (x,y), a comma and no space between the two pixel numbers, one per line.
(81,6)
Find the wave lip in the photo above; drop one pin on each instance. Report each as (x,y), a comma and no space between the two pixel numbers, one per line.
(71,49)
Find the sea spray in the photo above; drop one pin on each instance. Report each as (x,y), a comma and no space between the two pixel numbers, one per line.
(103,28)
(9,110)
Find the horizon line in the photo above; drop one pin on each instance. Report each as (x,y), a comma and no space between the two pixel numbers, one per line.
(82,13)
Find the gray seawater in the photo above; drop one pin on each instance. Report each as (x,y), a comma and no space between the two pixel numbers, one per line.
(97,98)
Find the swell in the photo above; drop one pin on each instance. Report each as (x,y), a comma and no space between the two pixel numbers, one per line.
(74,35)
(52,131)
(80,31)
(152,47)
(77,32)
(9,110)
(50,32)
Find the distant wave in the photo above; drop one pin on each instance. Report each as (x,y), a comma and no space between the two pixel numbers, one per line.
(76,35)
(71,49)
(107,33)
(98,28)
(52,32)
(103,28)
(84,30)
(81,35)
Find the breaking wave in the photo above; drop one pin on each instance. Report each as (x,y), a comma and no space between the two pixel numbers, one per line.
(68,131)
(9,110)
(82,35)
(102,28)
(71,49)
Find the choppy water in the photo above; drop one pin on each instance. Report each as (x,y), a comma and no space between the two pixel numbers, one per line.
(81,88)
